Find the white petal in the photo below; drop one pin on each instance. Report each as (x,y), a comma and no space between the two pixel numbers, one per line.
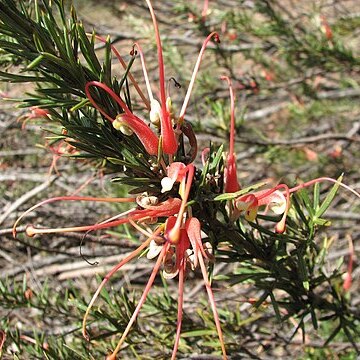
(170,275)
(166,184)
(154,250)
(278,203)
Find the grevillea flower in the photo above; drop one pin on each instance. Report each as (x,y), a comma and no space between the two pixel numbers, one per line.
(278,201)
(127,122)
(230,174)
(59,149)
(179,245)
(161,116)
(179,201)
(325,28)
(175,173)
(274,199)
(175,243)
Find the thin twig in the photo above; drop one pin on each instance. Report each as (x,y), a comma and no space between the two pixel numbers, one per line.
(27,196)
(338,94)
(21,152)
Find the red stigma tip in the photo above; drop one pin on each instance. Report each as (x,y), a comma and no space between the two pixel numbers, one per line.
(133,52)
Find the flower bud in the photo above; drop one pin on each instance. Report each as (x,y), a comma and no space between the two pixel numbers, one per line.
(154,250)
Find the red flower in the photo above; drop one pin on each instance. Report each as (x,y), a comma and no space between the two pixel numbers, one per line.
(161,112)
(127,121)
(230,175)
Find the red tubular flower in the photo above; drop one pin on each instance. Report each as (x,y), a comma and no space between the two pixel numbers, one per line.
(190,235)
(58,150)
(174,234)
(175,260)
(278,201)
(273,199)
(142,131)
(37,112)
(325,28)
(230,175)
(180,238)
(159,111)
(175,173)
(248,203)
(138,126)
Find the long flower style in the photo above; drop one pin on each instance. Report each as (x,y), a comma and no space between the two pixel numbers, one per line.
(165,216)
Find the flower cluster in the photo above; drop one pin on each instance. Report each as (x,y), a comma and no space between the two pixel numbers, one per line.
(169,216)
